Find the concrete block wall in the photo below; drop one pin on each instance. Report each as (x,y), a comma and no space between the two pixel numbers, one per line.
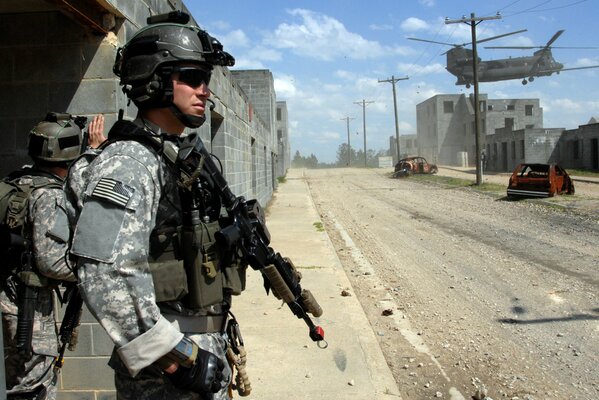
(586,140)
(51,62)
(282,129)
(442,135)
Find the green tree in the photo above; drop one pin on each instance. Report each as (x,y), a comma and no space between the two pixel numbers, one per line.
(304,162)
(342,156)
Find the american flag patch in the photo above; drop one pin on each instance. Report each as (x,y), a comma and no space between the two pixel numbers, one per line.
(113,191)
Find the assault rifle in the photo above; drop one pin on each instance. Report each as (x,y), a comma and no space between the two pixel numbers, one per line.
(15,247)
(28,295)
(68,328)
(248,232)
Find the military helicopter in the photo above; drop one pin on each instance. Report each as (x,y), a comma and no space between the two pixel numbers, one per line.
(541,63)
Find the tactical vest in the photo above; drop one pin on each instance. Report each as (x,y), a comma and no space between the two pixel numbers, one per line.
(186,262)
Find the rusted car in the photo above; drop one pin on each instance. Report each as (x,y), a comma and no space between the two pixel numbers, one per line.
(539,180)
(414,165)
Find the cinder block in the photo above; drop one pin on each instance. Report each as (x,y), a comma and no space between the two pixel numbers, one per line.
(76,395)
(102,344)
(30,99)
(48,64)
(87,373)
(64,30)
(98,59)
(93,96)
(84,343)
(8,138)
(22,29)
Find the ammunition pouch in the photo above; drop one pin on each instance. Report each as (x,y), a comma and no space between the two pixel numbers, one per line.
(209,273)
(204,275)
(166,266)
(188,266)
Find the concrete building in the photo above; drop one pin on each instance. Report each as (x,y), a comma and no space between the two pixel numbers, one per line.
(571,148)
(58,55)
(408,146)
(282,126)
(506,148)
(445,124)
(579,148)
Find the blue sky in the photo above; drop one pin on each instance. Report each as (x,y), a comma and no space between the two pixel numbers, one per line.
(326,56)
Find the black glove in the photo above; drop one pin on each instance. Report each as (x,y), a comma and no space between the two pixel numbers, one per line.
(204,376)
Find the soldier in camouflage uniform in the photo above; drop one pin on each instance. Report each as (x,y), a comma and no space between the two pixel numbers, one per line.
(130,222)
(52,145)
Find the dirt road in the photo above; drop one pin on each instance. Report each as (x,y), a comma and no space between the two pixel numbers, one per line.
(469,295)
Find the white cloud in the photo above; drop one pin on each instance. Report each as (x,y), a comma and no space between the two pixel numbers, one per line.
(220,25)
(419,70)
(586,62)
(285,87)
(322,37)
(427,3)
(566,105)
(346,75)
(414,24)
(234,39)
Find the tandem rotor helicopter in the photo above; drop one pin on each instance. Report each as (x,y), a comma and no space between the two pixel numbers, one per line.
(527,68)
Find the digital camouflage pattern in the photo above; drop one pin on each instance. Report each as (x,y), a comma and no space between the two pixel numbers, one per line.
(154,386)
(47,220)
(127,192)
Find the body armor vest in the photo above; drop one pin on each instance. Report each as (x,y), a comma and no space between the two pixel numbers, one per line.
(186,262)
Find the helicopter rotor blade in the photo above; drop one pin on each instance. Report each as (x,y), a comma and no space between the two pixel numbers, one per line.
(554,37)
(500,36)
(514,47)
(432,41)
(539,47)
(465,44)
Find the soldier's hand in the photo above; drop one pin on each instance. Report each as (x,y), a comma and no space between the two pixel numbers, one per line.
(96,131)
(204,376)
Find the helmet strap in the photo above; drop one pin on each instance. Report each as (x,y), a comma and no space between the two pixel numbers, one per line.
(190,121)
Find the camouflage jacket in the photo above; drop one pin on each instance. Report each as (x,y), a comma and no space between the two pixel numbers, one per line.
(125,193)
(48,226)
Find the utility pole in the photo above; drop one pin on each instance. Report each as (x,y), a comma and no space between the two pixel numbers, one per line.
(473,21)
(363,103)
(347,119)
(392,81)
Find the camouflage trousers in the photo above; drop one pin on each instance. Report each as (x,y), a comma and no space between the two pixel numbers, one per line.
(28,377)
(151,383)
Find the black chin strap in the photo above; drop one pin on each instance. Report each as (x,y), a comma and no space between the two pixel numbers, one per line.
(190,121)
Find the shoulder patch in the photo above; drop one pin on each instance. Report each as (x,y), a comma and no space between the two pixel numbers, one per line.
(113,191)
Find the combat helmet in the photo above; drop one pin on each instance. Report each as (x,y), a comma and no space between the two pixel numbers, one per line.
(146,62)
(58,138)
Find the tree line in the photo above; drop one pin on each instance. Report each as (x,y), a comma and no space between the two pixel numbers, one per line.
(345,157)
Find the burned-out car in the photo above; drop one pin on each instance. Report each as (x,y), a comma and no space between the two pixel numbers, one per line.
(413,165)
(539,180)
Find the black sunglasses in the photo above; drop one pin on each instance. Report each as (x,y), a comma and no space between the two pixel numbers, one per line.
(193,77)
